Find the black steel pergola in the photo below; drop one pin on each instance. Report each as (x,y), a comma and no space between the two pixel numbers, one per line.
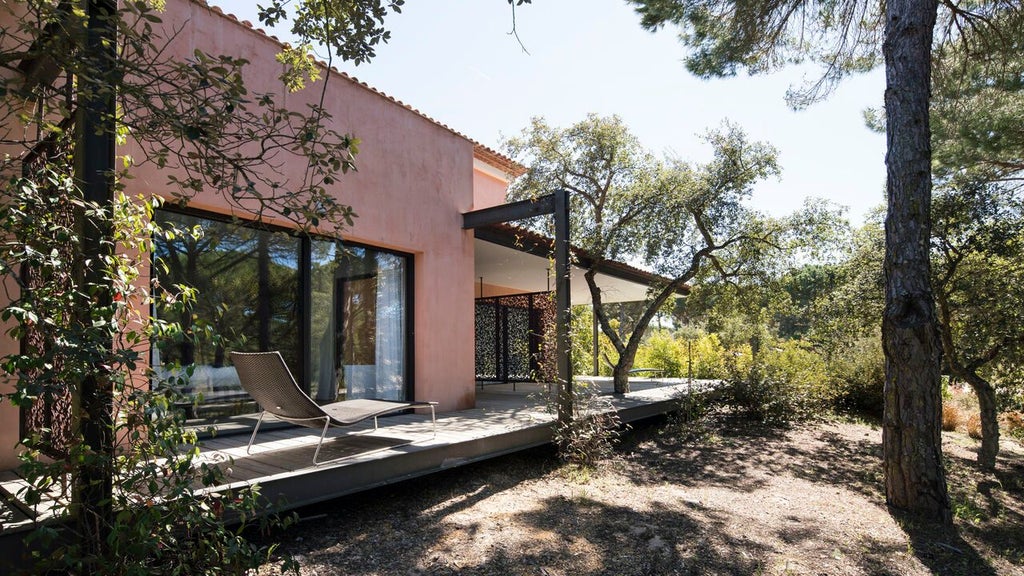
(556,204)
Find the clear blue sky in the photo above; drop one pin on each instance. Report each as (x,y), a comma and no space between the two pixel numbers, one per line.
(456,62)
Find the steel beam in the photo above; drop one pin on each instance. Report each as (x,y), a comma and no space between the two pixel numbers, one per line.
(508,212)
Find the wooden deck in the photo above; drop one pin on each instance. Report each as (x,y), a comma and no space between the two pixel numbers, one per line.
(359,458)
(404,446)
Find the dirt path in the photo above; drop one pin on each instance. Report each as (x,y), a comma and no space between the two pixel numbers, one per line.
(738,500)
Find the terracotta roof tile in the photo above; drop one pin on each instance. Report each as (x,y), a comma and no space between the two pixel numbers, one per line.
(483,153)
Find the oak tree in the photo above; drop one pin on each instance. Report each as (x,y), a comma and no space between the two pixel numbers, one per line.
(686,222)
(847,37)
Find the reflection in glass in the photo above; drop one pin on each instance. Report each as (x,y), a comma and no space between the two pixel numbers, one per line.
(358,323)
(247,284)
(249,298)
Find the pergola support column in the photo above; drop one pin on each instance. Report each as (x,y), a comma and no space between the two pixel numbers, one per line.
(563,307)
(556,204)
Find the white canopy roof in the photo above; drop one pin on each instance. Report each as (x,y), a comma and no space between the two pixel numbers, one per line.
(524,271)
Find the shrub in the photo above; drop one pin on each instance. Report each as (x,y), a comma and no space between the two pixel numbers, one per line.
(582,337)
(785,382)
(694,353)
(760,396)
(1013,424)
(1009,380)
(962,397)
(708,357)
(802,368)
(595,427)
(974,426)
(857,375)
(166,521)
(690,421)
(662,352)
(952,418)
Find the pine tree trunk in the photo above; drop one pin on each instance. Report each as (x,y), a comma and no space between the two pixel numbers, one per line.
(911,435)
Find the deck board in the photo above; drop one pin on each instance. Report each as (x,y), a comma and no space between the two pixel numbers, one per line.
(503,422)
(404,446)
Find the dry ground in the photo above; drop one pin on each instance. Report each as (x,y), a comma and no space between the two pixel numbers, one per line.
(735,499)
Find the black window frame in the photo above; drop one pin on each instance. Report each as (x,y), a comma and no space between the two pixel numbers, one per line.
(303,372)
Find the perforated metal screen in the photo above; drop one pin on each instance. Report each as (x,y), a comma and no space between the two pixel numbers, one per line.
(514,338)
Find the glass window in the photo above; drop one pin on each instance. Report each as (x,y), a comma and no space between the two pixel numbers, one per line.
(247,287)
(249,297)
(358,322)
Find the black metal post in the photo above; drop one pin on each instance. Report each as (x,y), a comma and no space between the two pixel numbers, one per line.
(563,312)
(689,360)
(95,130)
(305,376)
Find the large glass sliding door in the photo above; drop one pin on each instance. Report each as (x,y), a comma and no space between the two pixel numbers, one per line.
(360,322)
(341,324)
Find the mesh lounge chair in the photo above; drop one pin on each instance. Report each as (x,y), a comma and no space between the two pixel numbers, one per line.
(266,378)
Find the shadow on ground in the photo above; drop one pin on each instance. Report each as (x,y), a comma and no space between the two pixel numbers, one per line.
(743,455)
(989,506)
(434,525)
(989,510)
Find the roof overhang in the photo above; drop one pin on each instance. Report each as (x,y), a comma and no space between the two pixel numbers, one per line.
(518,259)
(508,167)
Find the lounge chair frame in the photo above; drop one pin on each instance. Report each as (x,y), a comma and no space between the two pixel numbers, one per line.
(266,377)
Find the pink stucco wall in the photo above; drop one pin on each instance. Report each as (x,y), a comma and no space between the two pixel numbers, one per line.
(415,178)
(492,290)
(10,418)
(414,181)
(488,188)
(9,415)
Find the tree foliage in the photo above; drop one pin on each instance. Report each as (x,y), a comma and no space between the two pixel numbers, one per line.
(348,29)
(978,105)
(195,117)
(761,36)
(686,222)
(75,244)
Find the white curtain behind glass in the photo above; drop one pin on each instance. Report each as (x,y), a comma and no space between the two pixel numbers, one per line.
(322,327)
(390,337)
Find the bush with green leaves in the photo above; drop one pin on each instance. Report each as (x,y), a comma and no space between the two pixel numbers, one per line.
(164,517)
(857,372)
(684,354)
(691,420)
(708,357)
(662,352)
(590,435)
(784,382)
(167,519)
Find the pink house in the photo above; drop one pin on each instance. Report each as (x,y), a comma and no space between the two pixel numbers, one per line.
(384,311)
